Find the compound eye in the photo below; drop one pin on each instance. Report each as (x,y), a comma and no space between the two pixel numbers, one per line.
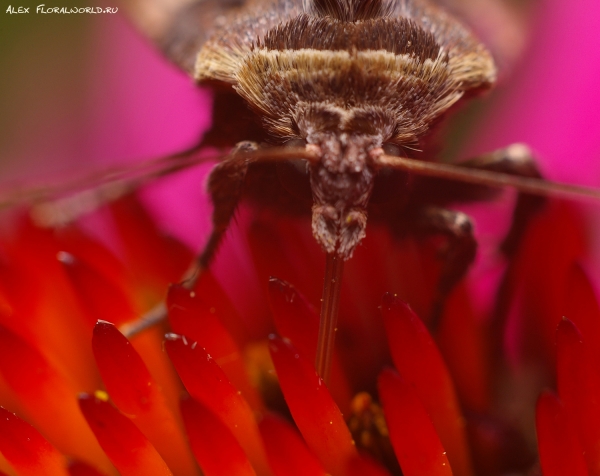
(393,149)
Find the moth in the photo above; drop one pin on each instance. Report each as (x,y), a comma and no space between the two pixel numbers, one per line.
(329,104)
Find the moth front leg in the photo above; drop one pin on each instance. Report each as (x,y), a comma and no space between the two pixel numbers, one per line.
(225,185)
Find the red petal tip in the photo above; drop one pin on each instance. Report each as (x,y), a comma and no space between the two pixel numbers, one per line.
(391,301)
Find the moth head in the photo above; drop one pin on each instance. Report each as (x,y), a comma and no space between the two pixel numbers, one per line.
(341,179)
(342,173)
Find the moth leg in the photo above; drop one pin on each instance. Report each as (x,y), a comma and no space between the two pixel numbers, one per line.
(516,159)
(87,194)
(225,184)
(457,255)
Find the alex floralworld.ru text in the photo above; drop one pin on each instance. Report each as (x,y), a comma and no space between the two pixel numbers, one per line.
(68,10)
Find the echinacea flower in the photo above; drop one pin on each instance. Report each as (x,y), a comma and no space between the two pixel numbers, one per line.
(232,387)
(87,400)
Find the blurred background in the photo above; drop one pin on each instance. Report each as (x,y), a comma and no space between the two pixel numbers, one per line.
(79,90)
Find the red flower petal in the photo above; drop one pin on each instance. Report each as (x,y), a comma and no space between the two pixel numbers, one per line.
(294,317)
(579,389)
(581,307)
(36,381)
(207,383)
(44,309)
(412,433)
(409,266)
(363,466)
(216,449)
(210,291)
(559,449)
(418,360)
(26,450)
(149,344)
(136,394)
(100,298)
(78,468)
(93,253)
(287,452)
(498,446)
(190,316)
(298,321)
(540,282)
(123,371)
(156,259)
(317,416)
(463,341)
(125,445)
(283,247)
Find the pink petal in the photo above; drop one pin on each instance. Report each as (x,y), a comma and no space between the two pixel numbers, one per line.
(415,441)
(125,445)
(137,395)
(29,453)
(288,454)
(317,416)
(559,448)
(207,383)
(216,449)
(420,363)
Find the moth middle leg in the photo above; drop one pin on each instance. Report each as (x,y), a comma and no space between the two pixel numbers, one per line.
(516,159)
(457,255)
(429,196)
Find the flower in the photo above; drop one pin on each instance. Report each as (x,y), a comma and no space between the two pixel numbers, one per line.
(88,400)
(464,400)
